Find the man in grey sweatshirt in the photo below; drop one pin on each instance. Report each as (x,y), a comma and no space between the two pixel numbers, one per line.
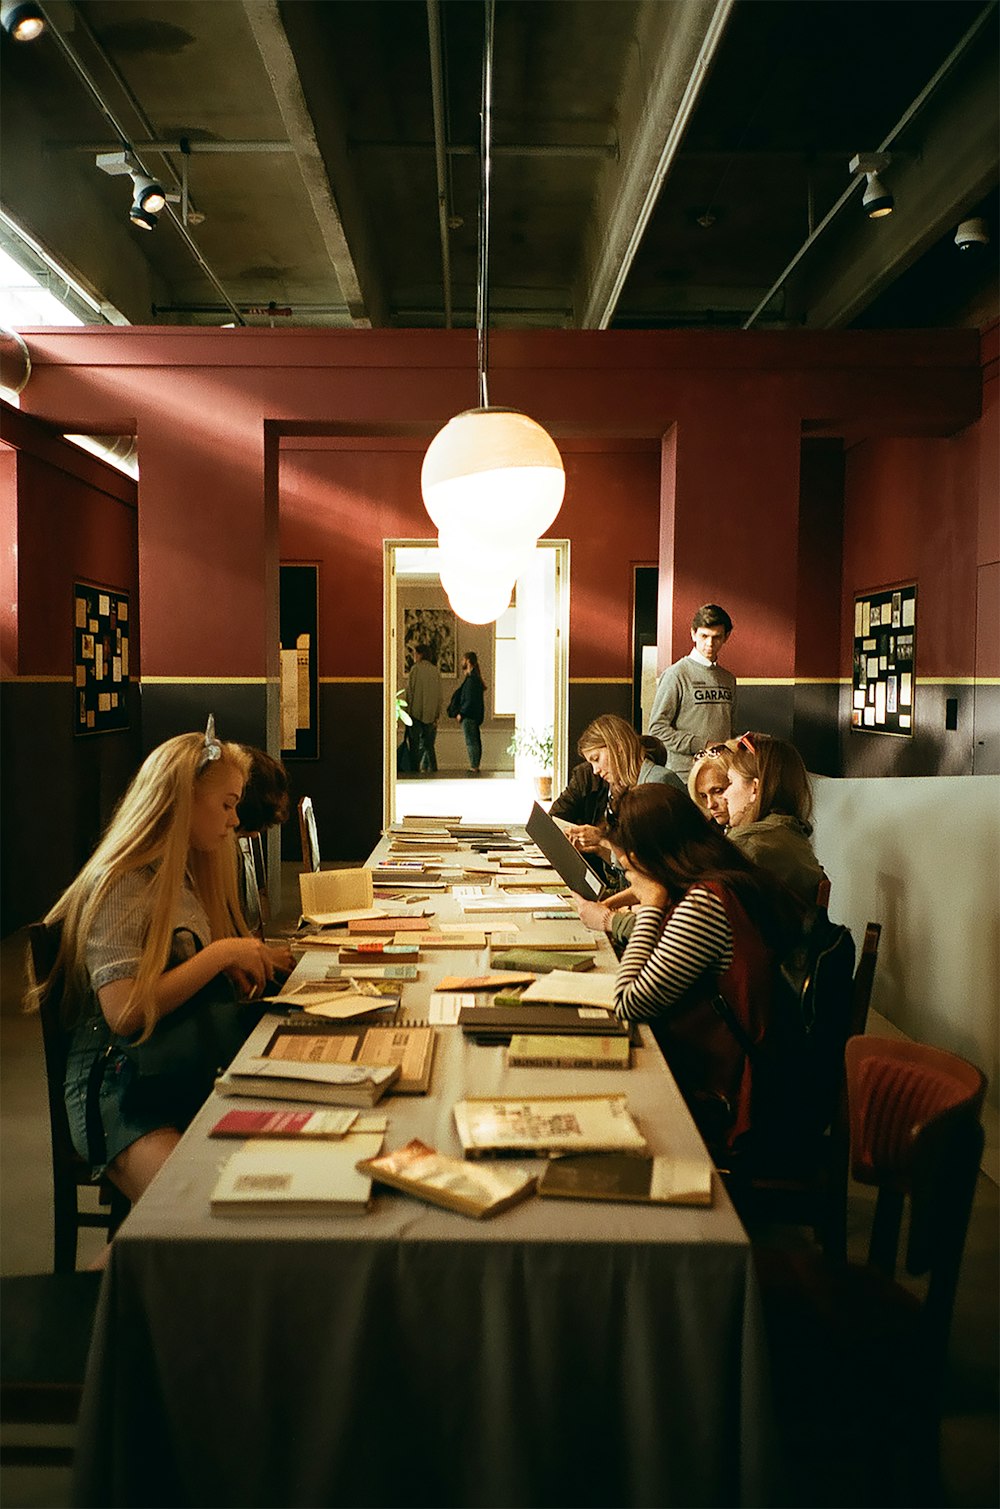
(693,706)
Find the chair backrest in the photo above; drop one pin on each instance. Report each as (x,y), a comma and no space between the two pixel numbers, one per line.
(915,1134)
(864,977)
(308,834)
(256,908)
(70,1172)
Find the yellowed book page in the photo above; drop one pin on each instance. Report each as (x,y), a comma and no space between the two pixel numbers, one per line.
(321,1048)
(406,1046)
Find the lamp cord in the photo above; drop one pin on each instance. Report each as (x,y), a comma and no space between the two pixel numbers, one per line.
(485,137)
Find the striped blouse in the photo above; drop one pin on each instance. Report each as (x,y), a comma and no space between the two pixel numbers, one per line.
(668,952)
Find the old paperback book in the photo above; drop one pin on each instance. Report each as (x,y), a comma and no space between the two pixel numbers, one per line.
(337,1084)
(470,1189)
(297,1178)
(324,1124)
(498,1023)
(545,1124)
(325,893)
(569,988)
(410,1049)
(543,1051)
(658,1180)
(497,980)
(541,961)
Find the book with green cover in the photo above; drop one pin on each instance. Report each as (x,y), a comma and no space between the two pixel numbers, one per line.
(546,1051)
(539,961)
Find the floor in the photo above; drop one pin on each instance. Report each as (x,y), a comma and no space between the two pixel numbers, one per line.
(970,1436)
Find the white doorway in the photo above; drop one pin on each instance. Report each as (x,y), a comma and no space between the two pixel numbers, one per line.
(525,662)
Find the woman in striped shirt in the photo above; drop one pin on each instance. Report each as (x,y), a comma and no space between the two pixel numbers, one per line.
(699,965)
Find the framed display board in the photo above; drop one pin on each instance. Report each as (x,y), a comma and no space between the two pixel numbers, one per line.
(882,696)
(299,615)
(100,658)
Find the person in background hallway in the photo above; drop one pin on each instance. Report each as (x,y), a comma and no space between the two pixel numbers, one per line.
(770,805)
(423,702)
(151,920)
(707,781)
(693,706)
(468,707)
(709,924)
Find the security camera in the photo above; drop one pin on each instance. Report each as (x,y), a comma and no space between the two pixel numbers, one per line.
(972,233)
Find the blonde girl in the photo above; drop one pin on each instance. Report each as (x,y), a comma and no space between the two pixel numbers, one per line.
(707,781)
(150,921)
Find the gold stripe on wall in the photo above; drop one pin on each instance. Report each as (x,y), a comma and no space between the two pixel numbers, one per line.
(40,680)
(350,680)
(600,681)
(203,681)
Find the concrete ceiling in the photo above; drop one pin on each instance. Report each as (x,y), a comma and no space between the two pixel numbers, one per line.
(656,163)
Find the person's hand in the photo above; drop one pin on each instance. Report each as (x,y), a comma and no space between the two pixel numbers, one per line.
(282,962)
(593,914)
(458,717)
(586,837)
(249,966)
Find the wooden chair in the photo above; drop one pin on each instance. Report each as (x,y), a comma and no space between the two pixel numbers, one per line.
(70,1174)
(864,977)
(46,1321)
(308,834)
(859,1355)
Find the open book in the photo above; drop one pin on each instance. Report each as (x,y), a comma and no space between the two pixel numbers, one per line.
(332,896)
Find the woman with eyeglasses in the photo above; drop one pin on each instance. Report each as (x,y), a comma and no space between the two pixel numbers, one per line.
(699,965)
(152,921)
(769,803)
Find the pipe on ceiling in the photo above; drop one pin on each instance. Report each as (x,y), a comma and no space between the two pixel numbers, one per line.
(440,148)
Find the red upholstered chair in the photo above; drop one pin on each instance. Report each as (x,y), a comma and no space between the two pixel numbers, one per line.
(858,1349)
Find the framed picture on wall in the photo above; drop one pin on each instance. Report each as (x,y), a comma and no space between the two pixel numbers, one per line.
(100,658)
(299,616)
(882,685)
(436,628)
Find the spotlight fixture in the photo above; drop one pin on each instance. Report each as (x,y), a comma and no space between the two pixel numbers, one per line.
(21,19)
(971,234)
(877,200)
(147,194)
(142,218)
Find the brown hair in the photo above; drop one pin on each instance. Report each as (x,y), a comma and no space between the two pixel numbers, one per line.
(783,778)
(673,843)
(620,739)
(711,616)
(265,800)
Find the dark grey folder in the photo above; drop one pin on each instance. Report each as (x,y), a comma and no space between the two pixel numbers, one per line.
(564,859)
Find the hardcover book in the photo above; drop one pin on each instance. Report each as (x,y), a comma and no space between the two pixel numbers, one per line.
(541,961)
(658,1180)
(370,953)
(450,940)
(452,1182)
(496,1024)
(384,924)
(298,1178)
(542,1051)
(543,1125)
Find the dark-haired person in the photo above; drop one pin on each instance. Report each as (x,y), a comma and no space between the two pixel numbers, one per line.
(770,805)
(468,707)
(693,706)
(423,701)
(265,803)
(709,925)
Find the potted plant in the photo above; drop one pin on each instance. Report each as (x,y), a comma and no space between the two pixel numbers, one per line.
(404,764)
(537,746)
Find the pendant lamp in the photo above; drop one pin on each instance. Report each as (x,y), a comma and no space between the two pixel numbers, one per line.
(492,479)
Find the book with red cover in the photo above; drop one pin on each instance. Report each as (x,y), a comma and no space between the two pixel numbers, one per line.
(323,1124)
(396,953)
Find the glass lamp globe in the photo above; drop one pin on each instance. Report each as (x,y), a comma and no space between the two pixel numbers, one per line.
(495,475)
(477,597)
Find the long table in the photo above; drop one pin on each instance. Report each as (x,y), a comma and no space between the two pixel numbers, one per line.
(563,1353)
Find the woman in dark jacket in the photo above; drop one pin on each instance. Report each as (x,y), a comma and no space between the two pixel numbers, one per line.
(468,707)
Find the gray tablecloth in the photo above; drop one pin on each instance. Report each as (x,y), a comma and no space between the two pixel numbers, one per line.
(563,1353)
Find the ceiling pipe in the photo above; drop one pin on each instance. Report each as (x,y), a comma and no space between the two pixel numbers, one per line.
(856,182)
(83,73)
(440,148)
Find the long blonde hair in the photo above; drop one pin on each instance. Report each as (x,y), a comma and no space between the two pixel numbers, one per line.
(151,826)
(625,752)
